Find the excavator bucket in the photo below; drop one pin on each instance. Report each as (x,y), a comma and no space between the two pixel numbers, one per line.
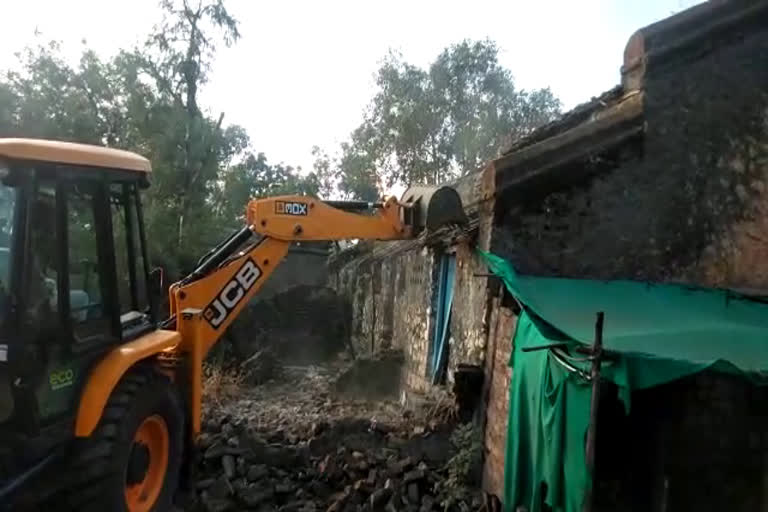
(432,208)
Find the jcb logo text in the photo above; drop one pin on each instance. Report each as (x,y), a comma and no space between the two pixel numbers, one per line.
(284,208)
(232,293)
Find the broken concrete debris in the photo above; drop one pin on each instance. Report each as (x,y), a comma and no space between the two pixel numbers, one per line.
(282,476)
(344,462)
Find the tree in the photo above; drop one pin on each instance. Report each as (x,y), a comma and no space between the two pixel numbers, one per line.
(324,174)
(145,100)
(357,170)
(421,126)
(8,101)
(254,177)
(177,58)
(348,176)
(49,98)
(428,126)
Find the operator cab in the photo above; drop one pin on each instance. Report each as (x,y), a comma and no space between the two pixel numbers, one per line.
(74,280)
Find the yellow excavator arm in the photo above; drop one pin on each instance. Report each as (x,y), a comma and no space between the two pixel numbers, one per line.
(207,301)
(295,218)
(224,282)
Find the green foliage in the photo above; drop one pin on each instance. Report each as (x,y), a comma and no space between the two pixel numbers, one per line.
(422,125)
(323,174)
(431,125)
(455,489)
(51,99)
(357,169)
(146,100)
(189,148)
(254,177)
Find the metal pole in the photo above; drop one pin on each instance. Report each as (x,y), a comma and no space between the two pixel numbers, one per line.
(597,353)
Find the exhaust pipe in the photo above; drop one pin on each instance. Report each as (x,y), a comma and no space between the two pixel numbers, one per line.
(432,208)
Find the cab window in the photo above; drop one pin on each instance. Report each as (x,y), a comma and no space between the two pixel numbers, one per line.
(129,261)
(88,288)
(41,309)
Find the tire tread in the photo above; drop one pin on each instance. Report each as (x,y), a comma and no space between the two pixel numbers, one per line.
(91,466)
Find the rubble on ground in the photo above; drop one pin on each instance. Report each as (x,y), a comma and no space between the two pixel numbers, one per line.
(298,445)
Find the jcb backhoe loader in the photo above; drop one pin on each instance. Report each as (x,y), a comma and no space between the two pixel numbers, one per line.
(100,397)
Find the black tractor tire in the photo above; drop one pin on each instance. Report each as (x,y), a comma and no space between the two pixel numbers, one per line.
(100,464)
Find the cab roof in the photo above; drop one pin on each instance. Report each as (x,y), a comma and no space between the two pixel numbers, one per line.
(70,153)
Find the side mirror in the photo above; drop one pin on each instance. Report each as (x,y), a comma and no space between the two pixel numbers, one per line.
(156,281)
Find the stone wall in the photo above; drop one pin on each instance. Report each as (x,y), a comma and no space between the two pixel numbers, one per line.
(470,318)
(390,304)
(391,289)
(412,318)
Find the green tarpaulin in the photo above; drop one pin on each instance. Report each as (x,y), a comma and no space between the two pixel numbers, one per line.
(661,332)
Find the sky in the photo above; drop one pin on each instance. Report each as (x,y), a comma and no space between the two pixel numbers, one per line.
(303,71)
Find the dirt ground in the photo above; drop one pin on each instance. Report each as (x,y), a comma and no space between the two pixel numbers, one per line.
(324,438)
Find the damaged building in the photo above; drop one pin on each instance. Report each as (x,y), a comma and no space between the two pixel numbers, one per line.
(662,180)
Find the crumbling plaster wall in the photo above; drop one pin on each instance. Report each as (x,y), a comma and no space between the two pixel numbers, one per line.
(390,305)
(470,312)
(410,321)
(391,288)
(468,318)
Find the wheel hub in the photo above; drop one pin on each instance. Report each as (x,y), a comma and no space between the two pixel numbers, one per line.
(145,472)
(138,464)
